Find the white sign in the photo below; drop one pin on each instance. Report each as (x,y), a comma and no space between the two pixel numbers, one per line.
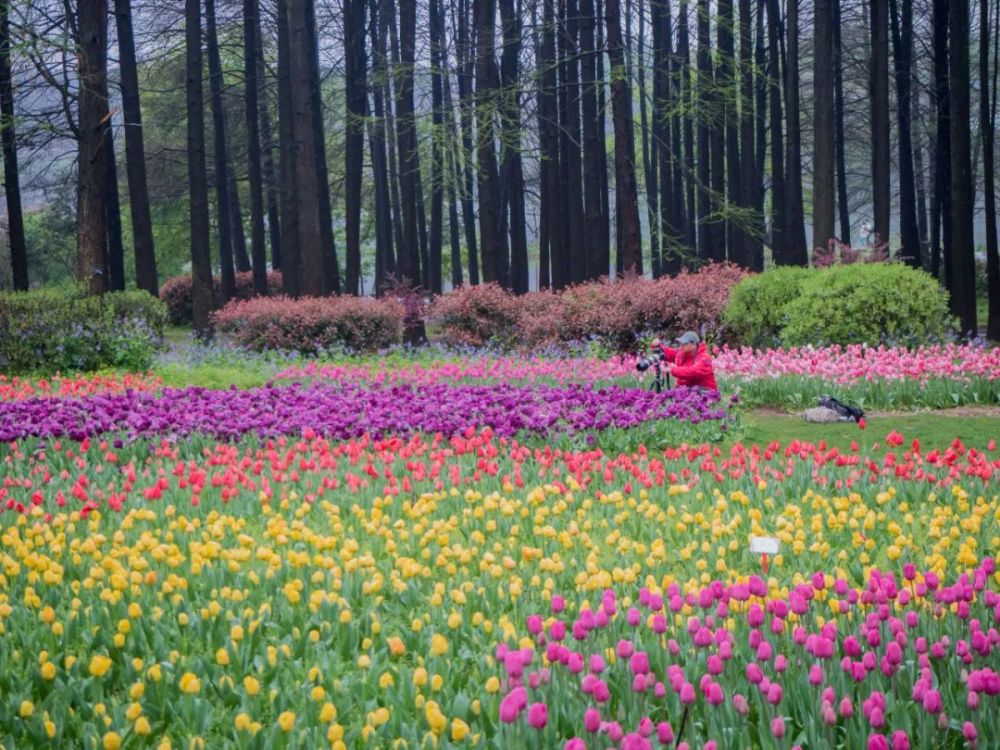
(764,545)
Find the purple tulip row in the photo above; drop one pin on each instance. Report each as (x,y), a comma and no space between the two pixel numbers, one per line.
(346,410)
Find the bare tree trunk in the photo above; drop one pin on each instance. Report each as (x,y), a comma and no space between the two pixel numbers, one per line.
(552,195)
(760,156)
(484,15)
(92,169)
(251,22)
(879,97)
(649,156)
(987,120)
(687,105)
(408,264)
(466,57)
(592,147)
(843,209)
(331,272)
(227,274)
(626,194)
(963,291)
(571,182)
(823,124)
(779,217)
(116,249)
(355,84)
(750,235)
(706,237)
(510,148)
(201,260)
(676,124)
(12,180)
(941,245)
(385,264)
(902,43)
(267,145)
(135,158)
(728,97)
(436,239)
(291,251)
(604,260)
(454,166)
(795,233)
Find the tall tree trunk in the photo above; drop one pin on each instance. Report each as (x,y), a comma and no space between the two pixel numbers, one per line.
(922,229)
(239,237)
(331,274)
(728,95)
(649,157)
(436,239)
(707,238)
(779,210)
(879,98)
(314,281)
(146,277)
(355,84)
(687,121)
(454,164)
(795,233)
(511,145)
(749,235)
(592,147)
(941,245)
(843,208)
(267,145)
(408,262)
(487,83)
(291,251)
(92,169)
(902,44)
(761,113)
(466,64)
(570,180)
(552,195)
(12,179)
(251,22)
(604,261)
(627,228)
(963,291)
(715,100)
(385,263)
(201,259)
(823,124)
(227,275)
(987,107)
(675,131)
(116,249)
(666,260)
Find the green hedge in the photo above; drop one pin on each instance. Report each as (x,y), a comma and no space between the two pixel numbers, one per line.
(49,331)
(871,303)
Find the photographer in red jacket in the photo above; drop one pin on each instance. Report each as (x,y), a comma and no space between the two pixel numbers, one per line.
(690,363)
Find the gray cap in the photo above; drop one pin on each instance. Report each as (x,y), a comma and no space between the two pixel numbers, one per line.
(688,337)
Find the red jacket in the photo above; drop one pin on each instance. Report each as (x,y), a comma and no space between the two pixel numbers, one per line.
(692,369)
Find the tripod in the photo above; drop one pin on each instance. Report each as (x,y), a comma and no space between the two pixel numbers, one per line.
(659,377)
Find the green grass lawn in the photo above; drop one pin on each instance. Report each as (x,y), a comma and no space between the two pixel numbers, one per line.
(933,429)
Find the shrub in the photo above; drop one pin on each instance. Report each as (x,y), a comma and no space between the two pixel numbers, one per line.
(176,293)
(312,324)
(874,303)
(540,319)
(691,301)
(475,316)
(756,313)
(49,331)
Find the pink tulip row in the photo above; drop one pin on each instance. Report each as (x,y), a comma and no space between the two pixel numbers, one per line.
(697,667)
(852,364)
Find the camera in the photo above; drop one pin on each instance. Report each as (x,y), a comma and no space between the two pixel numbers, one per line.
(644,363)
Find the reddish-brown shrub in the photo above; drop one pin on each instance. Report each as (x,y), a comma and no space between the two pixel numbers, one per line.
(312,324)
(541,319)
(691,301)
(175,293)
(609,311)
(475,316)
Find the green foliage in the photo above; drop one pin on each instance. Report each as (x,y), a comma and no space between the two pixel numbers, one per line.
(755,313)
(48,331)
(871,303)
(864,303)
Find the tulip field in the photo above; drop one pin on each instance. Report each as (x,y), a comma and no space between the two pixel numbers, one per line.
(492,553)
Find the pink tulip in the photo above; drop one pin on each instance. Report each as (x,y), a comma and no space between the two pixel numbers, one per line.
(664,733)
(774,694)
(591,720)
(538,715)
(932,702)
(558,604)
(687,694)
(900,740)
(575,744)
(778,727)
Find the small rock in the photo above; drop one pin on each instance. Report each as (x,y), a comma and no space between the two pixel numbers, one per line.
(822,415)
